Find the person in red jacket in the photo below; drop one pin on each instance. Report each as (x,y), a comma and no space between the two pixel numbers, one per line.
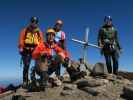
(50,47)
(49,55)
(29,38)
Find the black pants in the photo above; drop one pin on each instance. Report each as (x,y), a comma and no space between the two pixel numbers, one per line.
(26,57)
(55,65)
(112,59)
(58,70)
(54,68)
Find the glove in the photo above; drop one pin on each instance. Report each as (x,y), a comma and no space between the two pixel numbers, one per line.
(21,50)
(121,51)
(66,59)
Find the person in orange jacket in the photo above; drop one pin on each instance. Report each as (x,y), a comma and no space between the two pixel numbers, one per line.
(29,38)
(52,52)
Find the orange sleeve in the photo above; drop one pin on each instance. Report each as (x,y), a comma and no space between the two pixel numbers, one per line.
(41,37)
(40,49)
(67,54)
(62,52)
(58,49)
(21,39)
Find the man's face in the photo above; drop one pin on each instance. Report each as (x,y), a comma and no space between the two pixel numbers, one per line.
(58,27)
(51,37)
(33,25)
(109,22)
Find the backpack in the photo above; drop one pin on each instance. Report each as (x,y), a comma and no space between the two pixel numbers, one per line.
(32,38)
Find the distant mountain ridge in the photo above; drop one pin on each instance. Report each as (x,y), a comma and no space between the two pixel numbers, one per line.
(10,81)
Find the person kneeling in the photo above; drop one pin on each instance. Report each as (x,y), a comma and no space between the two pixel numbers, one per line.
(49,56)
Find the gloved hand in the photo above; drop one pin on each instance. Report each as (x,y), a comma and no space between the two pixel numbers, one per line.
(66,62)
(121,51)
(21,50)
(66,59)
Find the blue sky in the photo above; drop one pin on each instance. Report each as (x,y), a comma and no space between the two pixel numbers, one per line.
(76,14)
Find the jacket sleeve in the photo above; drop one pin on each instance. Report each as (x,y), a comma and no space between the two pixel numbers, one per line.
(21,39)
(41,37)
(59,51)
(62,52)
(39,50)
(63,37)
(117,39)
(67,54)
(63,40)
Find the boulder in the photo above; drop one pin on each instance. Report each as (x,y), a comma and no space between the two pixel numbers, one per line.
(111,77)
(128,91)
(70,86)
(55,80)
(67,92)
(69,89)
(66,77)
(126,82)
(89,83)
(104,81)
(90,90)
(99,69)
(64,93)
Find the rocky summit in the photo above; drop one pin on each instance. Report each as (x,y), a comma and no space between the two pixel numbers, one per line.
(109,87)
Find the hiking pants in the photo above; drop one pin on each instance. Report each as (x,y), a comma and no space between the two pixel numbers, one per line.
(26,57)
(112,59)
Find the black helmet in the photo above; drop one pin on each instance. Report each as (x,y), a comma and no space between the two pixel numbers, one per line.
(107,18)
(34,20)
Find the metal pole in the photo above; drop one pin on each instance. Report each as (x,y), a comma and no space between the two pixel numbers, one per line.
(85,44)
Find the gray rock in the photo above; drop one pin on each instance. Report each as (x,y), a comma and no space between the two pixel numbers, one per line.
(103,81)
(128,91)
(89,66)
(64,93)
(70,87)
(120,77)
(89,83)
(126,82)
(111,77)
(18,97)
(67,92)
(90,90)
(99,69)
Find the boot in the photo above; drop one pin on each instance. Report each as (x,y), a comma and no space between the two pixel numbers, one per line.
(44,80)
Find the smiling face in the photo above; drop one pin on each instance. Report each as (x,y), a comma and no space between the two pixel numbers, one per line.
(108,23)
(50,37)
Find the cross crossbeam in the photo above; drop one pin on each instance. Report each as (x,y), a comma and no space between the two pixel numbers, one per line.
(85,43)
